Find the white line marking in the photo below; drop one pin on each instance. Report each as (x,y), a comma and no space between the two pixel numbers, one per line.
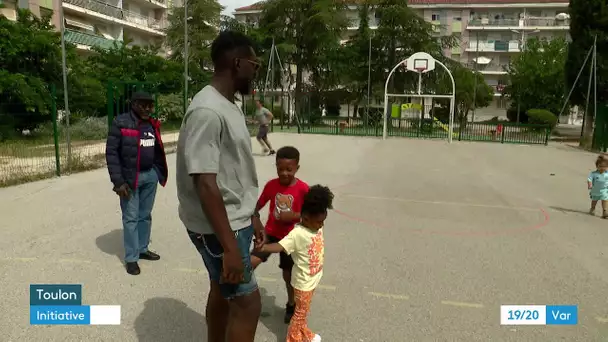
(388,295)
(441,203)
(462,304)
(327,287)
(601,319)
(75,261)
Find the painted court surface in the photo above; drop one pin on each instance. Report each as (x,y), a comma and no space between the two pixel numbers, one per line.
(426,242)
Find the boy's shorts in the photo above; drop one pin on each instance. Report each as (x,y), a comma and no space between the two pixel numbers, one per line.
(212,252)
(285,261)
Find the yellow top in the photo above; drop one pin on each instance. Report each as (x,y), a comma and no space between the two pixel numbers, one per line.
(307,249)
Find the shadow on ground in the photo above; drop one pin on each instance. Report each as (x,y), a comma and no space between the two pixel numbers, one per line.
(168,319)
(272,315)
(576,211)
(111,243)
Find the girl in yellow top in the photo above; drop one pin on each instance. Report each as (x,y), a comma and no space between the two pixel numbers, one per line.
(305,245)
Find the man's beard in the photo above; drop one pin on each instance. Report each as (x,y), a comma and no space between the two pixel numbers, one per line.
(244,87)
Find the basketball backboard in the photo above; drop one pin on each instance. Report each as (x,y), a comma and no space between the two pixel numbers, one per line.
(420,62)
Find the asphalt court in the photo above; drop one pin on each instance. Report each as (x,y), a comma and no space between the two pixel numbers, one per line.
(426,241)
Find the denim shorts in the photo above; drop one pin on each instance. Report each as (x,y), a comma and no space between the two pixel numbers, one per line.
(212,252)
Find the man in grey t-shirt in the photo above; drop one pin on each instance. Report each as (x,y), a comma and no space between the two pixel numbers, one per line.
(217,190)
(263,116)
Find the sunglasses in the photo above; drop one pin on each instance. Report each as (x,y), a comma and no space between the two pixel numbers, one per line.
(256,65)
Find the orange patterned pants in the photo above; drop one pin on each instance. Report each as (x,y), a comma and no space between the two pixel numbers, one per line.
(298,328)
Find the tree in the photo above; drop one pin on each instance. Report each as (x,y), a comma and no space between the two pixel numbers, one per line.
(536,78)
(135,63)
(466,93)
(402,32)
(588,19)
(356,56)
(305,29)
(203,21)
(30,65)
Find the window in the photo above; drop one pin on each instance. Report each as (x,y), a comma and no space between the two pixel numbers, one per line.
(457,18)
(435,17)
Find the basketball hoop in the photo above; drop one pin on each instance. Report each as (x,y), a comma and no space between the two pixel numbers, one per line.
(420,69)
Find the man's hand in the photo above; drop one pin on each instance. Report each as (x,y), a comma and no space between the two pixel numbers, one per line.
(123,191)
(259,236)
(233,268)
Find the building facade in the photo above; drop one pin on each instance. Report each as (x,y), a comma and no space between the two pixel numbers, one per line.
(490,32)
(90,23)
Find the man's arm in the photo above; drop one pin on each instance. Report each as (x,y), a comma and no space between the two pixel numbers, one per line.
(202,154)
(269,114)
(113,155)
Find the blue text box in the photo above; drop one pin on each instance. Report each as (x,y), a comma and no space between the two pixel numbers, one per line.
(60,315)
(562,314)
(55,294)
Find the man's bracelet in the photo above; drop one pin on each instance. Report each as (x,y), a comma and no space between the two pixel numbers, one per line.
(256,214)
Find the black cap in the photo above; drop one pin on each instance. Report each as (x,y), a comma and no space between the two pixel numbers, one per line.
(142,96)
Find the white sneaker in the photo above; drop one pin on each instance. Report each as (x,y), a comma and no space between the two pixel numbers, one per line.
(317,338)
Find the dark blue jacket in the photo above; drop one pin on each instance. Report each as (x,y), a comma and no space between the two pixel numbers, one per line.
(123,149)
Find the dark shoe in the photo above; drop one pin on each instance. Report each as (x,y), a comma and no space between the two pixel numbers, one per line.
(133,268)
(289,310)
(149,256)
(272,152)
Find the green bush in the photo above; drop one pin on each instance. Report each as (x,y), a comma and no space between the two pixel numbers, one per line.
(441,113)
(541,117)
(512,114)
(170,107)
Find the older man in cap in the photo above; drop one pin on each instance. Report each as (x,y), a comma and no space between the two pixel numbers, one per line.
(136,163)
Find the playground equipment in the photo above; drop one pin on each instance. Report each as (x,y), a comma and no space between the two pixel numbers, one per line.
(420,62)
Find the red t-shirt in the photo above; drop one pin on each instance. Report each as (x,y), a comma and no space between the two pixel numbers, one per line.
(282,198)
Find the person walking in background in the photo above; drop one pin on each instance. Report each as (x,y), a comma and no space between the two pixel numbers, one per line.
(263,116)
(217,190)
(136,162)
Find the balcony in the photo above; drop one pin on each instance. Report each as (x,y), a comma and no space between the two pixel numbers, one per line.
(493,23)
(529,23)
(547,23)
(489,69)
(493,46)
(116,14)
(87,40)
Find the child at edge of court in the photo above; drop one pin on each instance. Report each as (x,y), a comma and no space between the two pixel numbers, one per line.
(286,195)
(305,244)
(597,184)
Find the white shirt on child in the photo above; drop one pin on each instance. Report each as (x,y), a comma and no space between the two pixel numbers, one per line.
(307,249)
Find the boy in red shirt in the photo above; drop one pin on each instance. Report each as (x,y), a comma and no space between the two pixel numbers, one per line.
(286,195)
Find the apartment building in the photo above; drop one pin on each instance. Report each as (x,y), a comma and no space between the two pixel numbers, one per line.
(90,23)
(490,32)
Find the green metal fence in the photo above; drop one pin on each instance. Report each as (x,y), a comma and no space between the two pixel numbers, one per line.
(600,133)
(429,129)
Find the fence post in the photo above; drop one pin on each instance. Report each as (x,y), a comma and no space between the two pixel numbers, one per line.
(502,133)
(55,130)
(547,134)
(110,103)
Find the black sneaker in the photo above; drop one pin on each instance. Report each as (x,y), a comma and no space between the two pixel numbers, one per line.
(289,310)
(133,268)
(149,256)
(272,152)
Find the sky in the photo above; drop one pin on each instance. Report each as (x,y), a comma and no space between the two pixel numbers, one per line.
(232,4)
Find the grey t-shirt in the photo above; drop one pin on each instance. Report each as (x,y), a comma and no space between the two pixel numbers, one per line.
(214,139)
(262,116)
